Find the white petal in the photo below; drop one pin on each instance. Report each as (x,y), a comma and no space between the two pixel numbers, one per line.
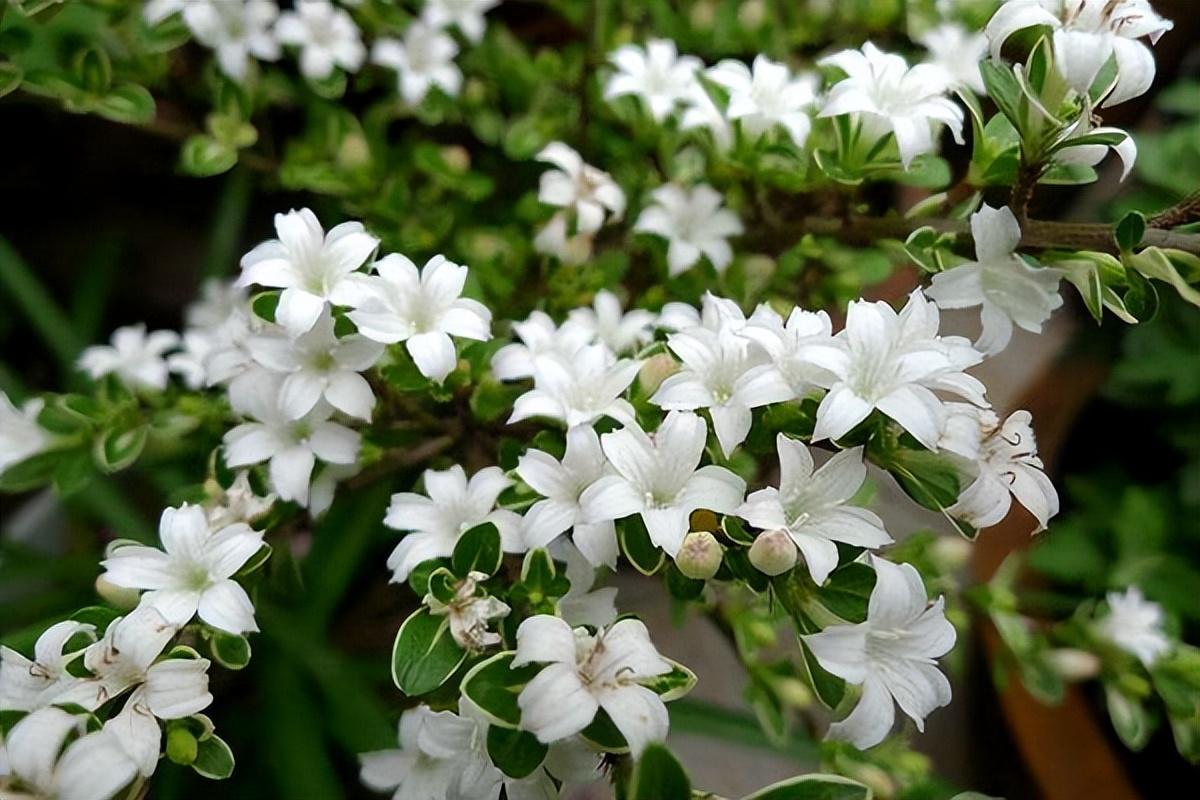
(226,605)
(544,638)
(639,715)
(433,354)
(871,719)
(556,704)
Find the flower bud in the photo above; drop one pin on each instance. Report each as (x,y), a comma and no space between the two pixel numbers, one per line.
(1072,664)
(182,747)
(655,370)
(124,599)
(951,552)
(773,552)
(699,556)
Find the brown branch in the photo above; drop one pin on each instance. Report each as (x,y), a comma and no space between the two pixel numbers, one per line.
(1185,211)
(1035,234)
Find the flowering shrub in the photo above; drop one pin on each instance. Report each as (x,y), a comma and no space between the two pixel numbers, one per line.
(643,359)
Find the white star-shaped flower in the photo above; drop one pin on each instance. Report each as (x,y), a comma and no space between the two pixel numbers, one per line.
(20,434)
(888,95)
(313,268)
(239,32)
(291,446)
(590,194)
(767,96)
(562,483)
(585,673)
(466,15)
(725,373)
(1007,466)
(812,507)
(412,771)
(656,73)
(958,51)
(470,613)
(891,655)
(421,308)
(1135,624)
(450,507)
(1008,290)
(424,59)
(659,477)
(326,35)
(785,343)
(578,390)
(94,765)
(135,357)
(701,113)
(539,336)
(193,573)
(892,362)
(319,365)
(26,685)
(1087,33)
(608,322)
(694,223)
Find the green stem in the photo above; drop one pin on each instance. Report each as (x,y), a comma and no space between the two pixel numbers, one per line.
(229,221)
(35,302)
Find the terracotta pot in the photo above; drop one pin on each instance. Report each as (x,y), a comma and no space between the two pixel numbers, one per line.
(1066,747)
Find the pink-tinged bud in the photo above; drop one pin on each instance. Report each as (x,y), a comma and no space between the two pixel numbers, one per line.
(773,552)
(699,556)
(655,370)
(1072,664)
(124,599)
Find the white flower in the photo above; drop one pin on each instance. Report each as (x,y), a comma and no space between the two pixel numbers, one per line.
(94,766)
(470,613)
(539,336)
(26,685)
(155,11)
(657,74)
(239,31)
(1087,33)
(1089,155)
(1008,290)
(466,15)
(319,365)
(657,477)
(238,503)
(890,96)
(193,573)
(1007,466)
(726,374)
(606,321)
(578,390)
(422,308)
(20,434)
(586,673)
(812,507)
(218,324)
(311,267)
(450,507)
(326,35)
(589,192)
(701,112)
(290,445)
(958,51)
(786,343)
(423,60)
(892,362)
(412,772)
(134,356)
(715,314)
(1135,624)
(767,96)
(562,483)
(891,655)
(694,224)
(128,658)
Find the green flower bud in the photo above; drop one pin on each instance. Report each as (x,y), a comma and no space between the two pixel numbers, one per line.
(181,745)
(699,556)
(773,552)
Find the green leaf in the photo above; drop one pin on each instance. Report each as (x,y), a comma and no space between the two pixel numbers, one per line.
(603,733)
(425,654)
(214,759)
(541,582)
(1141,297)
(814,787)
(645,556)
(1003,88)
(674,684)
(128,103)
(658,775)
(930,479)
(35,471)
(203,156)
(516,753)
(848,590)
(735,529)
(119,447)
(1158,263)
(10,78)
(230,650)
(478,550)
(493,685)
(1106,139)
(829,688)
(1130,231)
(1129,717)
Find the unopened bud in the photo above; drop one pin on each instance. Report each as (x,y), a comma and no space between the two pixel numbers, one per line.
(699,556)
(182,747)
(655,370)
(457,158)
(752,13)
(124,599)
(773,552)
(951,552)
(1072,664)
